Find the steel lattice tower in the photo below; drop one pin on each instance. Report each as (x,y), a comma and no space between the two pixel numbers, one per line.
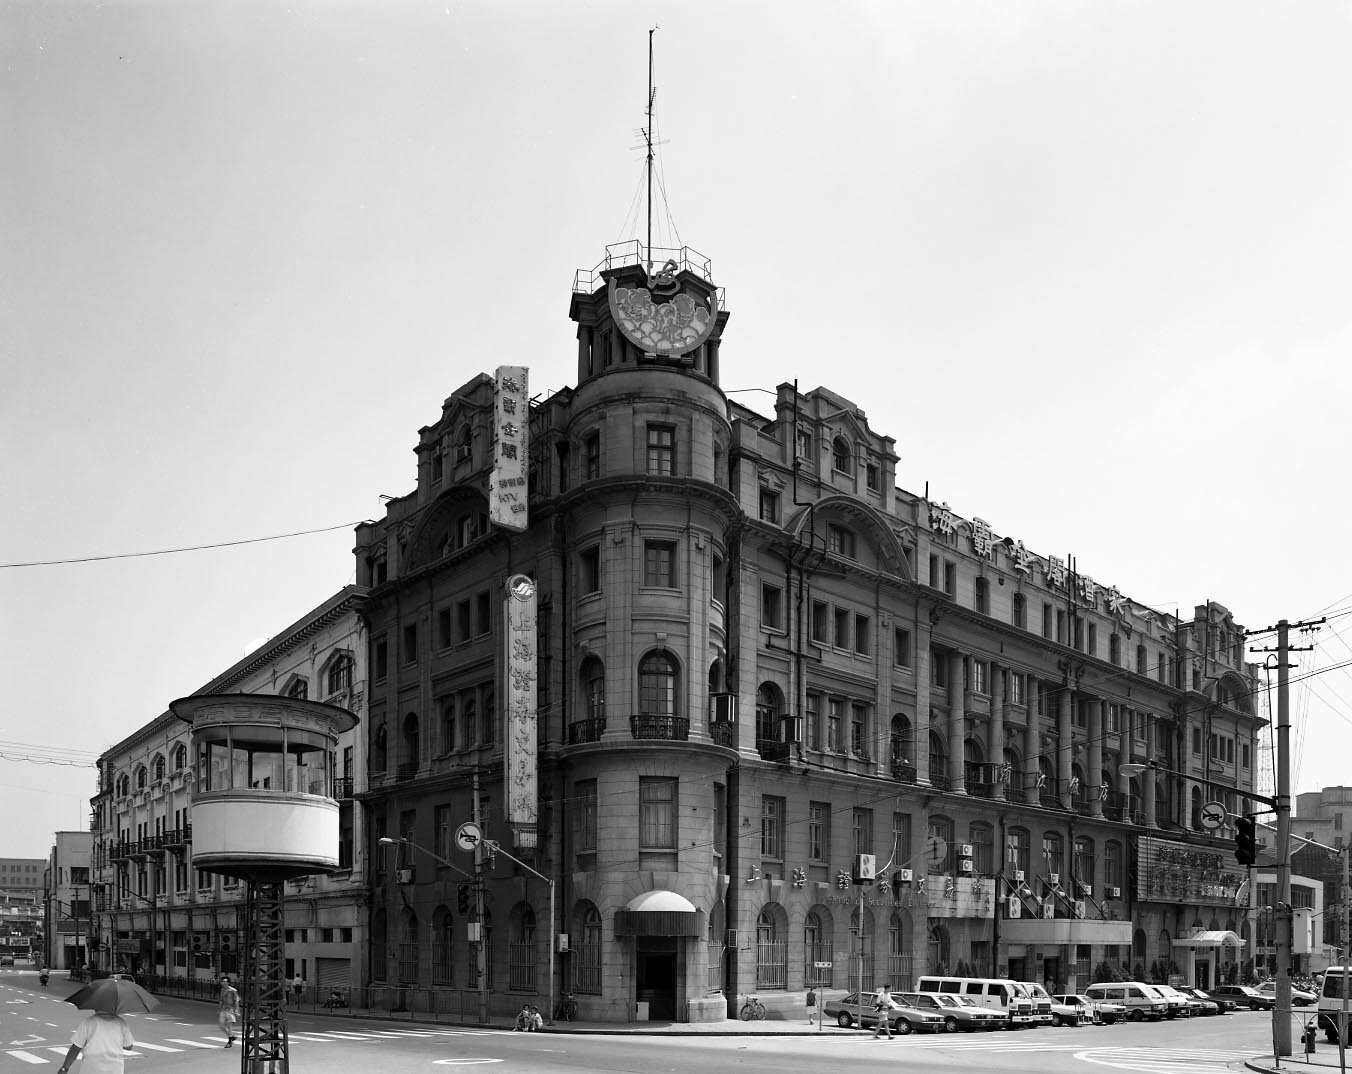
(263,1039)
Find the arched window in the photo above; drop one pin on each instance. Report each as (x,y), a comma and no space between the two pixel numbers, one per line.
(1084,862)
(593,677)
(1054,854)
(408,946)
(123,785)
(142,776)
(521,953)
(938,760)
(443,946)
(973,764)
(587,954)
(657,685)
(938,950)
(861,945)
(816,948)
(771,952)
(982,838)
(769,708)
(842,458)
(180,757)
(716,677)
(340,673)
(1138,945)
(1112,866)
(448,725)
(299,688)
(157,767)
(898,945)
(411,755)
(469,723)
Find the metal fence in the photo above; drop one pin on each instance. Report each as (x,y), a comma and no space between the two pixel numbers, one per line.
(772,964)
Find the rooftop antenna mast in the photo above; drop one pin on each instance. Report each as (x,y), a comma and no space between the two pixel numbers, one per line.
(648,138)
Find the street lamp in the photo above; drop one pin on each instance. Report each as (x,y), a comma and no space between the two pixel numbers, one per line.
(386,840)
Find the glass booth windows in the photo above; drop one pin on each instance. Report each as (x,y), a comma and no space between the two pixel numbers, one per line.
(265,759)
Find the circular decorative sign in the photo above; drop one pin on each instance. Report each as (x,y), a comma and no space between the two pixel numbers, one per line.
(661,318)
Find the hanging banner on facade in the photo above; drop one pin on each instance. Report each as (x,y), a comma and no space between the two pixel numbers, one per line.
(511,423)
(521,774)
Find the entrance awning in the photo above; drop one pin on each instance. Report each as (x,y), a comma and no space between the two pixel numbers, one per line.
(659,913)
(1218,938)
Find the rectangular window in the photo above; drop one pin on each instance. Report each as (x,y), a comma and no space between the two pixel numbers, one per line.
(858,723)
(720,819)
(873,477)
(1245,754)
(950,578)
(591,451)
(981,596)
(1061,626)
(769,506)
(861,634)
(803,440)
(656,813)
(483,621)
(659,564)
(835,718)
(772,607)
(464,630)
(980,674)
(589,563)
(938,669)
(1197,741)
(901,647)
(901,838)
(812,716)
(584,816)
(443,831)
(839,540)
(1016,688)
(842,629)
(934,574)
(819,832)
(861,822)
(772,827)
(1047,621)
(1092,645)
(662,450)
(717,579)
(380,659)
(443,628)
(820,618)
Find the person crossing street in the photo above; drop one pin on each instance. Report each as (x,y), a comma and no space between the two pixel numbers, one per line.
(884,1004)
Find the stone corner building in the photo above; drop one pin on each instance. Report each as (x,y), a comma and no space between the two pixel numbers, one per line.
(758,660)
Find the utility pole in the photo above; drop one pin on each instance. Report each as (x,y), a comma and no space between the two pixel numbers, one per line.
(1281,1010)
(481,952)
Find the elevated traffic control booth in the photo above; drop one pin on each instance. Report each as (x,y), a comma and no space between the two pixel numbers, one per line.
(263,811)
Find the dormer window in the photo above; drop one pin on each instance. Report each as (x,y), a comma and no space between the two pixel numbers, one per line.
(842,459)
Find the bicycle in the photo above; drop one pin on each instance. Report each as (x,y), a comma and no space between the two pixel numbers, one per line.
(752,1009)
(567,1008)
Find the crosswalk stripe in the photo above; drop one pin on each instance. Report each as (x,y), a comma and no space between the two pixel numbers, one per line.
(189,1043)
(156,1047)
(27,1057)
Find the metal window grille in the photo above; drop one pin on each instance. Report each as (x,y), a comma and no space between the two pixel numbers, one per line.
(772,964)
(587,969)
(521,967)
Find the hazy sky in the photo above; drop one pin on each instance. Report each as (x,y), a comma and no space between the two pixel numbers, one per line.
(1088,263)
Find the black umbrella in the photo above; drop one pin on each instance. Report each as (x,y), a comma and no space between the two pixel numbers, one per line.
(113,995)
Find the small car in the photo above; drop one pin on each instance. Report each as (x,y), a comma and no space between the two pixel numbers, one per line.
(958,1012)
(1178,1006)
(1206,1004)
(6,960)
(1099,1010)
(1243,996)
(1299,997)
(857,1009)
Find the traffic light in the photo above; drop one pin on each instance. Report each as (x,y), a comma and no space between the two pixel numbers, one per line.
(1246,844)
(462,898)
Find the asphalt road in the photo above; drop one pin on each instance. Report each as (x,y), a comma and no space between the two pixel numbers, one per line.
(181,1036)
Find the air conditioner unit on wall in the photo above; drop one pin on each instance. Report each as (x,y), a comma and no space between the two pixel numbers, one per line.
(966,865)
(1054,879)
(965,850)
(1114,892)
(723,708)
(905,875)
(1018,876)
(403,876)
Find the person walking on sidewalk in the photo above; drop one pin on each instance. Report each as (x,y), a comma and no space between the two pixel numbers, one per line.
(884,1004)
(811,1006)
(228,1013)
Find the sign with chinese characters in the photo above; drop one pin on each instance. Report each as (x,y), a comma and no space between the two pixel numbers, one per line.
(521,772)
(1176,872)
(511,423)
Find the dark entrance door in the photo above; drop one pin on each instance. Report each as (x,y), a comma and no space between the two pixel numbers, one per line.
(1203,972)
(655,977)
(1051,974)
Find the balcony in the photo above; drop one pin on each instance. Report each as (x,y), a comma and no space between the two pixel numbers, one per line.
(177,837)
(669,728)
(941,782)
(1047,800)
(139,849)
(342,788)
(406,771)
(589,730)
(723,733)
(903,772)
(980,790)
(772,750)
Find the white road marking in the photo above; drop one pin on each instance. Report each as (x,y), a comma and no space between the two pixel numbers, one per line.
(1154,1060)
(27,1057)
(156,1047)
(189,1043)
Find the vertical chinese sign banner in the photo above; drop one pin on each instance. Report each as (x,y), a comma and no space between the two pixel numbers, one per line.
(511,422)
(521,773)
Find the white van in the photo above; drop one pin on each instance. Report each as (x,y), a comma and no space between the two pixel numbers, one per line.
(1331,1003)
(1139,1000)
(1008,997)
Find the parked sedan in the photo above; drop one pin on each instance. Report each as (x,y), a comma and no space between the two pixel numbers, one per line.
(855,1009)
(1299,997)
(1206,1004)
(1097,1010)
(1243,996)
(958,1012)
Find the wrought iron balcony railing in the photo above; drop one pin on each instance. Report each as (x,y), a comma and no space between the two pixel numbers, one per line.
(589,730)
(671,728)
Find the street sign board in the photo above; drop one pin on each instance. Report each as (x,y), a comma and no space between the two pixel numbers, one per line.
(1213,816)
(468,836)
(821,965)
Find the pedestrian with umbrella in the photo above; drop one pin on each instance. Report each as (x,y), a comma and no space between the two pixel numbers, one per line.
(104,1037)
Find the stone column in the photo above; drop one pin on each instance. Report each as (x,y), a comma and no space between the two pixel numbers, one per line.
(999,698)
(1149,776)
(1065,733)
(921,732)
(584,343)
(1031,741)
(1126,757)
(1095,763)
(957,722)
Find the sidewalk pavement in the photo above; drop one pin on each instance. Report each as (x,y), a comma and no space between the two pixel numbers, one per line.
(1323,1058)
